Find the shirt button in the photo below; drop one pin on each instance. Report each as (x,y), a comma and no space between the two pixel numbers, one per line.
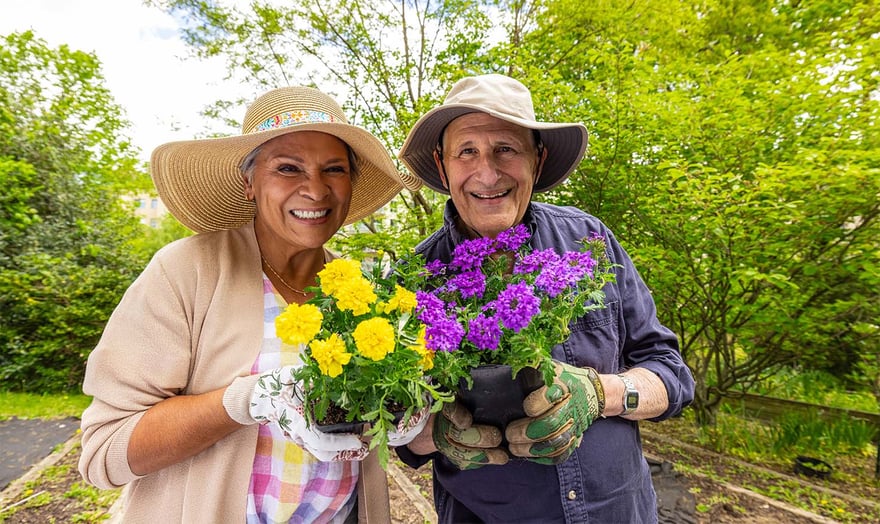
(572,495)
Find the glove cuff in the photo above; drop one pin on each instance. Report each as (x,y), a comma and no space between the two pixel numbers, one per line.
(593,375)
(237,399)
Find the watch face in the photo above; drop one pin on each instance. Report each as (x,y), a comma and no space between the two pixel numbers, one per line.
(631,400)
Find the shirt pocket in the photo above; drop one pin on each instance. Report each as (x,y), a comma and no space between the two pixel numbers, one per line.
(594,340)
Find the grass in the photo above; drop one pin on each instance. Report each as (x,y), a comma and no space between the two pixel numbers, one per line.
(31,405)
(816,387)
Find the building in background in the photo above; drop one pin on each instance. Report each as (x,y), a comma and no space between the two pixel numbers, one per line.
(149,209)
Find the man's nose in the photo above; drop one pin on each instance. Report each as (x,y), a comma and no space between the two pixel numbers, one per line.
(486,169)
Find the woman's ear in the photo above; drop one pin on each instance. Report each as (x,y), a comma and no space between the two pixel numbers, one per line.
(248,188)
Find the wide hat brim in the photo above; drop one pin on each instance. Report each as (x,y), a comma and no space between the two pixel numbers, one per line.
(200,181)
(565,144)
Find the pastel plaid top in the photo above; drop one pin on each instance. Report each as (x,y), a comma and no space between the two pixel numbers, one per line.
(288,484)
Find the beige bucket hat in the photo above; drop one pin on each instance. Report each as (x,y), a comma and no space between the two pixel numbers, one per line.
(505,98)
(200,180)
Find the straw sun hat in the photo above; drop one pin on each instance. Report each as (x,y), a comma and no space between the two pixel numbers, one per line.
(505,98)
(200,180)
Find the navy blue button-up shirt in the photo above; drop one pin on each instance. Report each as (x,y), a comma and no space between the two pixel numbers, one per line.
(607,480)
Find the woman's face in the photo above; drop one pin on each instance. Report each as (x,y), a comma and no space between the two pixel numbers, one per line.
(301,185)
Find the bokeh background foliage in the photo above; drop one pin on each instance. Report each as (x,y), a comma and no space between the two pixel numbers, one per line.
(733,150)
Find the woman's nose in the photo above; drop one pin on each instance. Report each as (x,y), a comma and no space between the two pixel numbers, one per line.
(315,187)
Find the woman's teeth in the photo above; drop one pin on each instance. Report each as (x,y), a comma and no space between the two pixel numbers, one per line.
(307,214)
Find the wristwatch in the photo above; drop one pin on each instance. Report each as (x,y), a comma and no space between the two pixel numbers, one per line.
(630,395)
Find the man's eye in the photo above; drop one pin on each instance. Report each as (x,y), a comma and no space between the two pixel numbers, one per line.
(506,150)
(466,152)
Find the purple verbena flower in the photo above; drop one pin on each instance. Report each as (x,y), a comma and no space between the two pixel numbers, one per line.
(444,334)
(564,273)
(484,332)
(580,264)
(471,253)
(468,284)
(535,261)
(435,267)
(513,238)
(516,306)
(429,308)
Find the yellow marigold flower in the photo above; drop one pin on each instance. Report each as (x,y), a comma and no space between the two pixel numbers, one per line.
(427,361)
(330,354)
(374,338)
(298,323)
(337,273)
(403,300)
(355,295)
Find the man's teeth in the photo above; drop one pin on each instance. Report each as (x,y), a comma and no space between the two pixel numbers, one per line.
(306,214)
(491,195)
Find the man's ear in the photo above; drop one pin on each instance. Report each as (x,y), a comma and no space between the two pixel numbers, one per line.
(441,170)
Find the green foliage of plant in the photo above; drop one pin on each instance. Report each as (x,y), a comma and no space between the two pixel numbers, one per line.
(791,435)
(734,151)
(154,238)
(65,234)
(806,434)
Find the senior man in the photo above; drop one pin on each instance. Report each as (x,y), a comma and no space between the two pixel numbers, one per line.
(485,149)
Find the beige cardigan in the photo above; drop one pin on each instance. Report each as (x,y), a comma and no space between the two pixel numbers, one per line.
(190,323)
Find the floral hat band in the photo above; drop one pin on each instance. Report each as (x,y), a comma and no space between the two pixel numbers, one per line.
(292,118)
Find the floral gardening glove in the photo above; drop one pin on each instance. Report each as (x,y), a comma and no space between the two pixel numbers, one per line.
(276,399)
(407,430)
(466,445)
(558,415)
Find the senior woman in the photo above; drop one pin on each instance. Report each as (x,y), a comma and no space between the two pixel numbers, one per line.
(179,378)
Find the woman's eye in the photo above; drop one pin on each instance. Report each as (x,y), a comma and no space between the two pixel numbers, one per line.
(336,170)
(288,169)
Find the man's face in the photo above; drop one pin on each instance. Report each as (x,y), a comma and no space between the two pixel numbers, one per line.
(489,167)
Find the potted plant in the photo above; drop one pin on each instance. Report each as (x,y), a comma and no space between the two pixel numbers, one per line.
(364,359)
(498,308)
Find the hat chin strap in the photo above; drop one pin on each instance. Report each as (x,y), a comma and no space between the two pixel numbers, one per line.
(542,154)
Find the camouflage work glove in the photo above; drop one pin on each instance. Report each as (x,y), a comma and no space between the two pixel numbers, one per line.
(466,445)
(558,415)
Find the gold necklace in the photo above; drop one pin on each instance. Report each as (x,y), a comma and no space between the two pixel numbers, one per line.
(288,286)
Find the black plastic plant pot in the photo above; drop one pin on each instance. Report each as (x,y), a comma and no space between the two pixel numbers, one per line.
(354,426)
(812,467)
(496,397)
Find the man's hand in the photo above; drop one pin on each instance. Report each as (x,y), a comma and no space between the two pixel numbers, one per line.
(466,445)
(557,416)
